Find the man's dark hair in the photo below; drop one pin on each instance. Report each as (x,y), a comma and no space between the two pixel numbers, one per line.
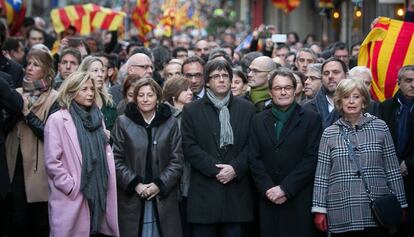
(162,55)
(11,44)
(217,64)
(177,50)
(192,59)
(219,52)
(72,51)
(228,46)
(247,59)
(133,44)
(34,28)
(280,46)
(144,50)
(284,73)
(343,65)
(338,46)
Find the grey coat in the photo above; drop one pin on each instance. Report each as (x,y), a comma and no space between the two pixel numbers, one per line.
(338,188)
(132,139)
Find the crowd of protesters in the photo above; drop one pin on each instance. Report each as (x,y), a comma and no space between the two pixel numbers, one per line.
(189,137)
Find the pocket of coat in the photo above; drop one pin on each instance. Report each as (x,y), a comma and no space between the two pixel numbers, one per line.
(73,192)
(339,209)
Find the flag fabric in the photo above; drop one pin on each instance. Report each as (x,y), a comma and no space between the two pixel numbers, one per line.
(140,17)
(85,18)
(14,11)
(245,44)
(387,47)
(286,5)
(326,4)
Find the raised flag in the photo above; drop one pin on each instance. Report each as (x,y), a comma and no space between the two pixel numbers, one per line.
(140,17)
(387,47)
(14,11)
(85,18)
(286,5)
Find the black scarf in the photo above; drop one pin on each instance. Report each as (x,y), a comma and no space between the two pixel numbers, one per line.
(403,118)
(94,176)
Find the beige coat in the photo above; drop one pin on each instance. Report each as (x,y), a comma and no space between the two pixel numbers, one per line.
(31,147)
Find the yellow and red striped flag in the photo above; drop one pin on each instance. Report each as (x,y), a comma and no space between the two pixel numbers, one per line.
(286,5)
(86,17)
(140,17)
(326,4)
(387,47)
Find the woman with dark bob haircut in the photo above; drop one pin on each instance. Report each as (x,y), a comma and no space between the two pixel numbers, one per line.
(149,163)
(356,151)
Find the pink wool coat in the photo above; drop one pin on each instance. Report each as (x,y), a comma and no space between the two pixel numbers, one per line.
(68,209)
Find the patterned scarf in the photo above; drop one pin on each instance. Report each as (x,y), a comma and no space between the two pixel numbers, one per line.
(34,89)
(226,131)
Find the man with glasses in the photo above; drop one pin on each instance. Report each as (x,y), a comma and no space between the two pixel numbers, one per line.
(340,51)
(333,71)
(215,134)
(257,75)
(193,71)
(313,81)
(304,57)
(139,65)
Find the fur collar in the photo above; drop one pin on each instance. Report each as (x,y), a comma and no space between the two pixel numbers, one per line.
(162,114)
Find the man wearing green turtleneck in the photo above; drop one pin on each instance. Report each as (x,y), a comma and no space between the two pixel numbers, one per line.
(258,72)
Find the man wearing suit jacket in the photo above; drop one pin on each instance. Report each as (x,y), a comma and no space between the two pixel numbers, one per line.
(215,133)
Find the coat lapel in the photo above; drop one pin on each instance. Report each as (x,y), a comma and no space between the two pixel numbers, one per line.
(269,123)
(71,130)
(211,120)
(292,123)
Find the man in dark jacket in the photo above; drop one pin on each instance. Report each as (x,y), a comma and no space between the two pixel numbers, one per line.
(398,113)
(12,103)
(215,134)
(9,66)
(333,71)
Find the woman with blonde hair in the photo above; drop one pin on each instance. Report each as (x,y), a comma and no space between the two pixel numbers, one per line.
(24,148)
(356,163)
(95,67)
(79,164)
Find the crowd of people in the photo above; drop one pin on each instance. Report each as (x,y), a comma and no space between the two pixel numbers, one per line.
(189,137)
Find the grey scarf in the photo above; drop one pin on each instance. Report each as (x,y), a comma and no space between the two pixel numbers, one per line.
(94,176)
(226,131)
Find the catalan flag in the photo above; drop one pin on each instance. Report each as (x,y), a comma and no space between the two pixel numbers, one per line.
(326,4)
(14,11)
(85,18)
(286,5)
(140,17)
(387,47)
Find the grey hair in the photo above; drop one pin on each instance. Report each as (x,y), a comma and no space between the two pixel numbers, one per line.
(359,70)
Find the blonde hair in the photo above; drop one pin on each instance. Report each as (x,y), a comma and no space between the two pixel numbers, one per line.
(345,88)
(102,92)
(71,86)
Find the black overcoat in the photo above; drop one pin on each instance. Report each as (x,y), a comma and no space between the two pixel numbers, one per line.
(210,201)
(388,112)
(290,163)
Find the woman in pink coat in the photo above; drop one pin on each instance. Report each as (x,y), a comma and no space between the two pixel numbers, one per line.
(80,165)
